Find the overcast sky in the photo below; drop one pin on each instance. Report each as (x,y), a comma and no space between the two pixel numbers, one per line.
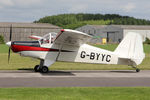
(31,10)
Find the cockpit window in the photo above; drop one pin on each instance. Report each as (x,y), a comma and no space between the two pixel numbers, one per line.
(45,39)
(27,43)
(53,34)
(48,38)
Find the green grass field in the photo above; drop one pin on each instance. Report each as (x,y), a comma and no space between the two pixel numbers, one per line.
(75,93)
(3,48)
(18,62)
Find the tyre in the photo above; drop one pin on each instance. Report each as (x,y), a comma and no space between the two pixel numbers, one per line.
(44,69)
(36,68)
(137,70)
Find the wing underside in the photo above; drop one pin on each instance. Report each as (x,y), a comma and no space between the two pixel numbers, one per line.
(72,37)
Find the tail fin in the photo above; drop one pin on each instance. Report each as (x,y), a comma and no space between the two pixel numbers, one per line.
(131,48)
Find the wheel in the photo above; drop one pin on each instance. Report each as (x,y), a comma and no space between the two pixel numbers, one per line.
(137,70)
(36,68)
(44,69)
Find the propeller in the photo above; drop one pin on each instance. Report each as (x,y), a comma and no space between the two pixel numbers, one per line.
(9,43)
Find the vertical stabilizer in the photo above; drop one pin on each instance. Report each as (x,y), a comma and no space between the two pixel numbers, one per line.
(131,48)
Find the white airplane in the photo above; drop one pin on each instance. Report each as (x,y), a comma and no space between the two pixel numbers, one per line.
(70,46)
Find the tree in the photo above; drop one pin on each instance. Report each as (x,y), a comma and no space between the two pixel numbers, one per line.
(1,39)
(147,41)
(74,20)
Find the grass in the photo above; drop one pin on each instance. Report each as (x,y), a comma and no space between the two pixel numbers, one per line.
(99,93)
(110,47)
(3,48)
(18,62)
(74,93)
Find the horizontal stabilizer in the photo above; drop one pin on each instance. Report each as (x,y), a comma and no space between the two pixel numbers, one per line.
(35,37)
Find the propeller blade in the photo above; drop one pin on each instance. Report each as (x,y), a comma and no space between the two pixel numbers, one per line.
(10,33)
(10,37)
(9,54)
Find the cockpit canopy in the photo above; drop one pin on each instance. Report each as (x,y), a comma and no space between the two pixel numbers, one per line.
(48,38)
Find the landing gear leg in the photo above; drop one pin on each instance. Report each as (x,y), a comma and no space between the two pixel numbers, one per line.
(137,69)
(42,68)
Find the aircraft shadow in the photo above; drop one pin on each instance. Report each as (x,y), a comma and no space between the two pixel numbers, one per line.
(124,71)
(58,73)
(65,73)
(29,70)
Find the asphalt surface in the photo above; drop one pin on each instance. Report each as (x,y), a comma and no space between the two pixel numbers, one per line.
(28,78)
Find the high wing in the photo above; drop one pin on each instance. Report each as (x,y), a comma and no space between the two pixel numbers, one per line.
(72,37)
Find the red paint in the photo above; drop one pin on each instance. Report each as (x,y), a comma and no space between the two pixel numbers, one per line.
(18,48)
(62,30)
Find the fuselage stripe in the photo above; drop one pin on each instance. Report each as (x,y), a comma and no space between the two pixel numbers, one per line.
(19,48)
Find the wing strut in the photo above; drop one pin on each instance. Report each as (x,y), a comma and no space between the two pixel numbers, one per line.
(59,52)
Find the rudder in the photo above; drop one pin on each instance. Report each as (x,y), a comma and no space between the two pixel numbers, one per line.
(131,47)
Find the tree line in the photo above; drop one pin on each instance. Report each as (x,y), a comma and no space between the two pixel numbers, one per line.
(73,21)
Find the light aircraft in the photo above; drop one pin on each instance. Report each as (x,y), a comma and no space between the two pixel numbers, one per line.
(70,46)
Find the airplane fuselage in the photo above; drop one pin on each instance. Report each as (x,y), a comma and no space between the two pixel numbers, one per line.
(84,54)
(69,46)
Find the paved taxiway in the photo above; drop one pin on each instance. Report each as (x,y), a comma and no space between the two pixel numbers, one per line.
(28,78)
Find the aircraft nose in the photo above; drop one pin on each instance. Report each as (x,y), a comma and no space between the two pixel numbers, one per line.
(8,43)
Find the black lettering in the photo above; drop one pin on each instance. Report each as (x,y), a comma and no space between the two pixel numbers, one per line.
(98,54)
(87,55)
(103,56)
(83,53)
(92,56)
(108,58)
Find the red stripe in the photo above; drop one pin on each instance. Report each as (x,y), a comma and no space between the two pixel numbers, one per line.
(18,48)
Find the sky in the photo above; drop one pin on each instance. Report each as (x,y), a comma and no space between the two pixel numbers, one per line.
(31,10)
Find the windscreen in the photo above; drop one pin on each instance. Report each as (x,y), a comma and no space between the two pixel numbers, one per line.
(48,38)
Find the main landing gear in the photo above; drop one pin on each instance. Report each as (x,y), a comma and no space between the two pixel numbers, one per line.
(43,69)
(37,68)
(44,64)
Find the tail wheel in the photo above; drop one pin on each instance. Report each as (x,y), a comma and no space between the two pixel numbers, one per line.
(137,70)
(44,69)
(37,68)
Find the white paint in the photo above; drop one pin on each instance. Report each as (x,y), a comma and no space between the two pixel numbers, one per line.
(144,33)
(129,51)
